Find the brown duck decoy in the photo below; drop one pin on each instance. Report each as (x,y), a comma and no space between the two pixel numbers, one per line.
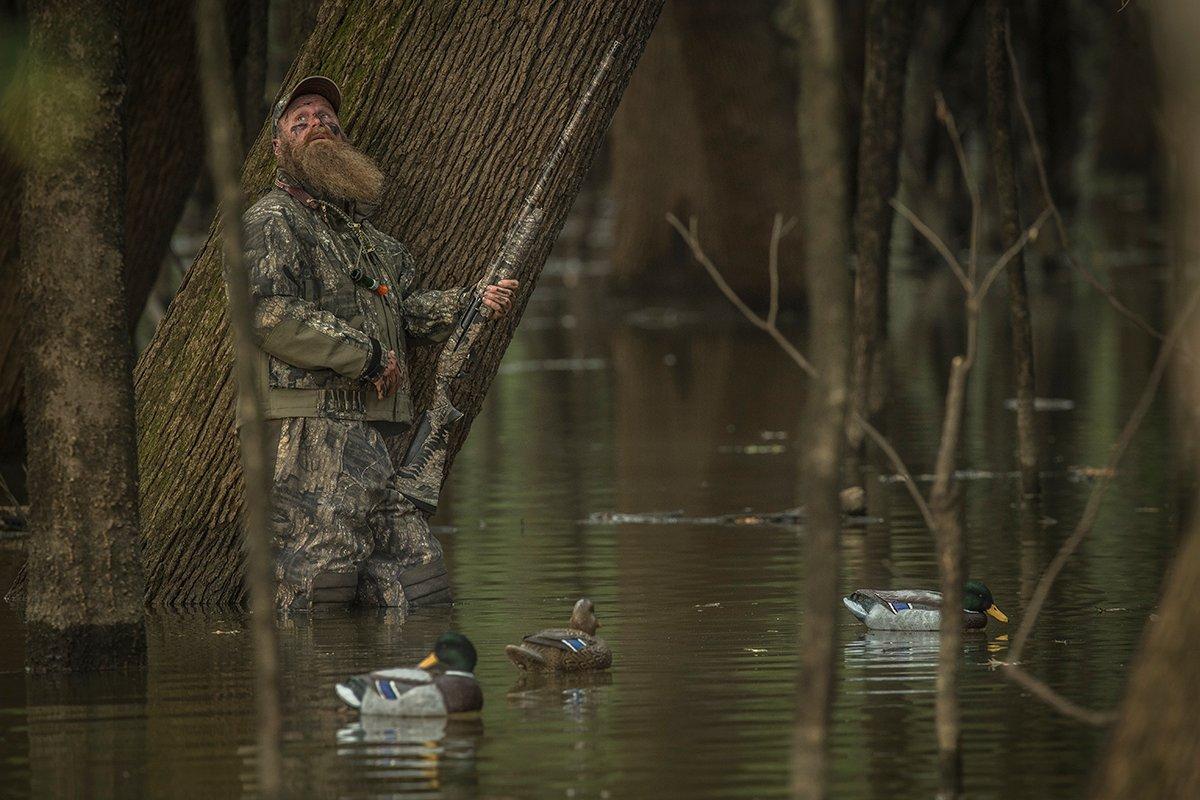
(575,648)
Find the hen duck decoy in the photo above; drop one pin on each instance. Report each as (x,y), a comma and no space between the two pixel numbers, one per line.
(919,609)
(416,692)
(575,648)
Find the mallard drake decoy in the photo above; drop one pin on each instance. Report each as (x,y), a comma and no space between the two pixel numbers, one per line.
(408,692)
(575,648)
(919,609)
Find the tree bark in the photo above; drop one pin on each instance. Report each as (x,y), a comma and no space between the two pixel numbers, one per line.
(826,238)
(462,124)
(162,162)
(889,34)
(707,128)
(84,607)
(999,90)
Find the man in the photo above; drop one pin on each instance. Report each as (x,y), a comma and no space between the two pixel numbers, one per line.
(334,299)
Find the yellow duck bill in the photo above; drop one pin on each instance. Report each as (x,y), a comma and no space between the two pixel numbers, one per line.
(432,660)
(996,613)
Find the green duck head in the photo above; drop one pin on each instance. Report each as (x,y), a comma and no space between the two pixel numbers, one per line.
(583,617)
(452,651)
(978,598)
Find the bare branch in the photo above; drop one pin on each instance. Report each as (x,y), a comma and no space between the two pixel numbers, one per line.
(1044,182)
(1088,519)
(947,118)
(936,241)
(777,233)
(693,242)
(1028,235)
(1055,700)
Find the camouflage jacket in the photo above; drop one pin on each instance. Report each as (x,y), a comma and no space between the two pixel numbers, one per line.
(322,334)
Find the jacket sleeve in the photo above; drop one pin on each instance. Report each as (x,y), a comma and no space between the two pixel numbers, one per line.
(431,314)
(288,326)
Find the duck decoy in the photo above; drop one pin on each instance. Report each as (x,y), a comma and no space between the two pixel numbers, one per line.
(575,648)
(919,609)
(418,692)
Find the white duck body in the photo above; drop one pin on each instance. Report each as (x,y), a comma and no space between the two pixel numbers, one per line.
(904,610)
(408,692)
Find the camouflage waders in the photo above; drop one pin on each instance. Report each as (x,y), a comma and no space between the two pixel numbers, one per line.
(341,528)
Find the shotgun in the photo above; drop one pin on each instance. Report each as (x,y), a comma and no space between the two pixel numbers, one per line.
(422,470)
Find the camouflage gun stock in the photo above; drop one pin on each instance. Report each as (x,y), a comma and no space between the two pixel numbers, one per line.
(424,463)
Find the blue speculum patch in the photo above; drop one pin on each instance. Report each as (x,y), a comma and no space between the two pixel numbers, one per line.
(575,644)
(385,689)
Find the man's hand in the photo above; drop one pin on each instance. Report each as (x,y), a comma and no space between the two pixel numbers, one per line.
(389,380)
(499,297)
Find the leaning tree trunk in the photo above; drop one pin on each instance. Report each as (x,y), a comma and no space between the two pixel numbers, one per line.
(84,605)
(826,238)
(163,156)
(999,112)
(461,123)
(889,34)
(707,128)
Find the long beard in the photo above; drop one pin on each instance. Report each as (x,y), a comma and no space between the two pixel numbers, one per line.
(335,170)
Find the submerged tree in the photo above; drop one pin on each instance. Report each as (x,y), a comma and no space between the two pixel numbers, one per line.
(462,125)
(826,238)
(999,82)
(1154,749)
(162,160)
(889,34)
(84,604)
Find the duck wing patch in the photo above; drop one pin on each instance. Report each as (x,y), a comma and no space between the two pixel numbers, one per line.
(564,639)
(391,683)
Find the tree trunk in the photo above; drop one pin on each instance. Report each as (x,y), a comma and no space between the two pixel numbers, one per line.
(889,33)
(461,124)
(1154,749)
(999,90)
(944,503)
(826,237)
(707,128)
(163,157)
(84,605)
(226,148)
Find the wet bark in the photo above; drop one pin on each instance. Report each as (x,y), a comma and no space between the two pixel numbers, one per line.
(226,149)
(163,158)
(84,607)
(826,237)
(999,90)
(889,34)
(461,125)
(707,128)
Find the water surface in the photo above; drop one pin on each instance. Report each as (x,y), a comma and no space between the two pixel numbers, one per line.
(605,408)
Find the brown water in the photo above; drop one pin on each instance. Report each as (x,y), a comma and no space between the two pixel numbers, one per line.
(602,408)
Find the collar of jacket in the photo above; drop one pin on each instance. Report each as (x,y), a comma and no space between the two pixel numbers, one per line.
(356,211)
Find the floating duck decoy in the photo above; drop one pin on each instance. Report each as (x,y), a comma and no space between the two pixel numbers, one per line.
(919,609)
(575,648)
(409,692)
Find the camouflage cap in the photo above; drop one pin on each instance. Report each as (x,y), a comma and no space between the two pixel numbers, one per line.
(313,84)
